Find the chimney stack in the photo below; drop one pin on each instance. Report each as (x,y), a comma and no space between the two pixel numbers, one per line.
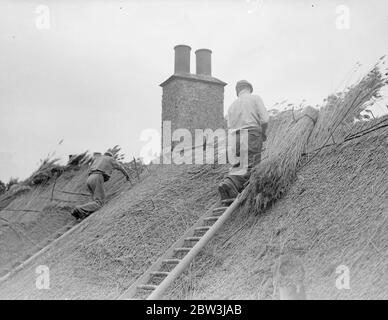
(204,62)
(182,59)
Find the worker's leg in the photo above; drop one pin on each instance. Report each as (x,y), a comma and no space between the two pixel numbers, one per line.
(255,143)
(99,192)
(226,188)
(90,186)
(235,181)
(95,184)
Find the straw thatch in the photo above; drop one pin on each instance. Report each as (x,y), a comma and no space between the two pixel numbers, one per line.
(333,214)
(130,232)
(121,240)
(336,119)
(294,135)
(278,169)
(116,153)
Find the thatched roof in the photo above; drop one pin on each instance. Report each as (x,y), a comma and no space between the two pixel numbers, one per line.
(324,204)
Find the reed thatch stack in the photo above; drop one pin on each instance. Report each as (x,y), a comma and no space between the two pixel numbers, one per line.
(272,177)
(336,119)
(292,135)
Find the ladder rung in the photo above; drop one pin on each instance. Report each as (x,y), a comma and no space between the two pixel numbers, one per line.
(160,273)
(172,261)
(220,209)
(193,238)
(147,286)
(202,228)
(227,201)
(211,218)
(182,249)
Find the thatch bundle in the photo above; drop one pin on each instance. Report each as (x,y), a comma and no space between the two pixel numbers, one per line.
(15,191)
(291,136)
(116,153)
(79,159)
(272,177)
(336,119)
(47,169)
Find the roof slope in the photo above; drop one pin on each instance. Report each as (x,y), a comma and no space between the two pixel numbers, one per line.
(337,204)
(22,233)
(121,240)
(331,212)
(334,214)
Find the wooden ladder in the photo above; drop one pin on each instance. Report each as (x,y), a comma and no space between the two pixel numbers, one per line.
(175,260)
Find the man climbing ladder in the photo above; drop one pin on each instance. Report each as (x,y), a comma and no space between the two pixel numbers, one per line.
(248,114)
(100,172)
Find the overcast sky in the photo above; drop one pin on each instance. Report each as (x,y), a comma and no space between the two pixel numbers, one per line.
(92,78)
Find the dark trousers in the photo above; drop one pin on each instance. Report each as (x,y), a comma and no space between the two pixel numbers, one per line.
(95,184)
(254,145)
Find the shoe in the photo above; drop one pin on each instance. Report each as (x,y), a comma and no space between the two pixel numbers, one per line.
(78,215)
(75,213)
(227,202)
(222,191)
(231,189)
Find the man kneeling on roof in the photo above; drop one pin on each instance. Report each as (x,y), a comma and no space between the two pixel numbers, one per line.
(100,172)
(247,117)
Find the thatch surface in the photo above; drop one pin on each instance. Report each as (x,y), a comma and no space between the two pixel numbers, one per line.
(287,140)
(334,214)
(34,217)
(14,192)
(36,213)
(294,136)
(122,239)
(32,212)
(325,218)
(329,212)
(307,147)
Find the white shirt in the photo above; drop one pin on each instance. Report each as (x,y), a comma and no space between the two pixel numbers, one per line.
(247,111)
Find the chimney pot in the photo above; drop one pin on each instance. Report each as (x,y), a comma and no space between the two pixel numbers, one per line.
(204,62)
(182,59)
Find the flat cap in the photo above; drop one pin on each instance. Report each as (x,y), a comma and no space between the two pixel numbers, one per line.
(243,83)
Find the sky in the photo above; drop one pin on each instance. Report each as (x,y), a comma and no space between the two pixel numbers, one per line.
(90,77)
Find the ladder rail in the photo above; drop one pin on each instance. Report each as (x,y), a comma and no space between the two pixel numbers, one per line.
(71,227)
(156,266)
(185,262)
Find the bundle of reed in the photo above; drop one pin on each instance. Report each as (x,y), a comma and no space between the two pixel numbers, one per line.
(116,153)
(47,169)
(288,137)
(336,119)
(76,160)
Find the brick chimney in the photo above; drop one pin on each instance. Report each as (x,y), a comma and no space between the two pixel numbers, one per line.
(182,59)
(204,62)
(193,101)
